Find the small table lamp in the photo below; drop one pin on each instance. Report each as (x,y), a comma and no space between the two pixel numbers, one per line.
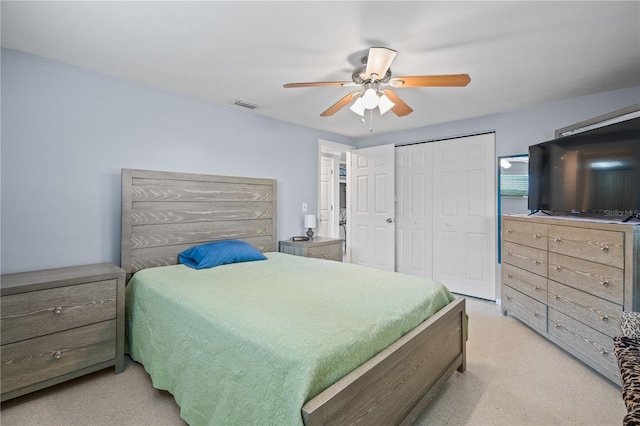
(309,223)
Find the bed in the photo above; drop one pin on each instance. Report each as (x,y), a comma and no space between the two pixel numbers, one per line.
(187,334)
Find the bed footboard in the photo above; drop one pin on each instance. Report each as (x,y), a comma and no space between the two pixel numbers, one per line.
(397,384)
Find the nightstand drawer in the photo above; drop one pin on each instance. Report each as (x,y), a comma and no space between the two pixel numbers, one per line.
(32,361)
(37,313)
(329,252)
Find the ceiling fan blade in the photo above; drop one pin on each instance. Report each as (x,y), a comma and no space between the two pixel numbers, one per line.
(400,108)
(452,80)
(320,83)
(379,61)
(339,105)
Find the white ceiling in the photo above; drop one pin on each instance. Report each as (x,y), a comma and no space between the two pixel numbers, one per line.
(517,53)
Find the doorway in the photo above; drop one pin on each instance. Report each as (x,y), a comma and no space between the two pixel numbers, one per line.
(333,191)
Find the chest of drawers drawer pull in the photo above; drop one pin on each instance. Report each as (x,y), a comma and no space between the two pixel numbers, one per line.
(509,253)
(604,352)
(509,276)
(557,268)
(537,262)
(57,310)
(556,297)
(536,288)
(604,317)
(510,231)
(536,236)
(57,355)
(535,314)
(605,248)
(556,325)
(557,239)
(604,283)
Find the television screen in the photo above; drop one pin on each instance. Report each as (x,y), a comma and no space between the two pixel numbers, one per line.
(595,173)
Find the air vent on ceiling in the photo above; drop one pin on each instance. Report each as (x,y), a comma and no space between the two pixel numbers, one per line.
(246,104)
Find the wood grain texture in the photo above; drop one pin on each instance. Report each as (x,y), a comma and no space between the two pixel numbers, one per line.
(32,314)
(318,247)
(590,310)
(596,347)
(387,388)
(164,213)
(525,282)
(528,258)
(528,234)
(600,246)
(602,280)
(87,330)
(35,360)
(527,309)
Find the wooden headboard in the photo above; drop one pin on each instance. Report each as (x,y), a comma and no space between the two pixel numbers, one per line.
(164,213)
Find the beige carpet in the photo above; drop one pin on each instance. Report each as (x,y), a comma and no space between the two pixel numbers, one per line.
(513,377)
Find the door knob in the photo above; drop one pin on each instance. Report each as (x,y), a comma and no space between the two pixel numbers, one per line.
(389,220)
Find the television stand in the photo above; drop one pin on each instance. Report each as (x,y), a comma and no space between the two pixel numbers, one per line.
(633,216)
(539,211)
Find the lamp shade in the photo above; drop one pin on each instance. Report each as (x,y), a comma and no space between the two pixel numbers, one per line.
(358,106)
(370,99)
(385,104)
(310,221)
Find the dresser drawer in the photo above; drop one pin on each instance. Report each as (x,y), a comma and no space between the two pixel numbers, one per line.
(37,313)
(526,233)
(527,309)
(327,251)
(525,282)
(32,361)
(590,310)
(596,347)
(600,246)
(528,258)
(602,280)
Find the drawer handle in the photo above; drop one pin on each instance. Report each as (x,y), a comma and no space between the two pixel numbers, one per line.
(57,310)
(604,352)
(536,236)
(605,248)
(557,268)
(509,298)
(57,355)
(508,253)
(536,288)
(604,317)
(509,231)
(558,239)
(556,297)
(556,325)
(537,262)
(509,276)
(325,256)
(604,283)
(535,314)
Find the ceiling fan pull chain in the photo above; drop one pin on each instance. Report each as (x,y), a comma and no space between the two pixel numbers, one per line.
(371,128)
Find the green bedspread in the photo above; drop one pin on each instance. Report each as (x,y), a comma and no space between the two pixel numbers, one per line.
(250,343)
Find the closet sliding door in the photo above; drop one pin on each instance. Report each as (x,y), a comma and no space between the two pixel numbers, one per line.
(446,213)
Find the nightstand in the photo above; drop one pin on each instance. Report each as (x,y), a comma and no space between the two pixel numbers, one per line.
(59,324)
(318,247)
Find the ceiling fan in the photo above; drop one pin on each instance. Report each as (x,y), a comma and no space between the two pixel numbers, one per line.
(373,77)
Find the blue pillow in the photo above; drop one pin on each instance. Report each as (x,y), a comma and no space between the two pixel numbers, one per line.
(219,253)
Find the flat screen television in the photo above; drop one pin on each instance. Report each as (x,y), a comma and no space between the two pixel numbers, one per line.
(595,173)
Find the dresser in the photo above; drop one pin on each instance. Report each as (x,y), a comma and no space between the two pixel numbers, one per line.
(59,324)
(318,247)
(570,279)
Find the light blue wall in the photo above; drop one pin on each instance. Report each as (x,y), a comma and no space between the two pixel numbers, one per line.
(67,132)
(516,130)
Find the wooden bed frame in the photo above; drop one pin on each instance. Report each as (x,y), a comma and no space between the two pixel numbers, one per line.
(164,213)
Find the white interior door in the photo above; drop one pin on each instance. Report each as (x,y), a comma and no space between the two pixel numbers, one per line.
(464,216)
(371,226)
(414,209)
(325,217)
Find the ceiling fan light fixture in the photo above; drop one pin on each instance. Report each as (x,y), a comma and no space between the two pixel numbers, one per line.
(358,106)
(370,98)
(385,104)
